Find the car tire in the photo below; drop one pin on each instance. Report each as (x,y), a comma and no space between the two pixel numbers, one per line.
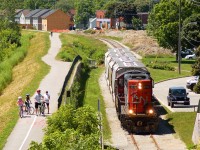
(192,87)
(172,104)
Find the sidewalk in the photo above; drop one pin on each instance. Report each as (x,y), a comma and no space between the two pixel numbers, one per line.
(30,128)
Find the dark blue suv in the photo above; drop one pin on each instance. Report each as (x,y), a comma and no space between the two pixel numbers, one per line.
(177,95)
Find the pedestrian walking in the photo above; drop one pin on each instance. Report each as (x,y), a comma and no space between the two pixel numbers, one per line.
(51,33)
(46,99)
(37,98)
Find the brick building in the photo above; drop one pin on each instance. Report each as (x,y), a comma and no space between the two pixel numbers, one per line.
(55,20)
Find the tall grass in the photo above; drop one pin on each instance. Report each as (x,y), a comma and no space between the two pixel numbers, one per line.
(7,65)
(27,73)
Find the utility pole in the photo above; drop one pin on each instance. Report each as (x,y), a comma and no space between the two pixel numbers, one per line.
(179,40)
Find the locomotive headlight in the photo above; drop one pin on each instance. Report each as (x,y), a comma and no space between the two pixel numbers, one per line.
(140,86)
(150,111)
(130,111)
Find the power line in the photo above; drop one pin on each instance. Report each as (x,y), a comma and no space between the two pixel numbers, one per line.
(189,41)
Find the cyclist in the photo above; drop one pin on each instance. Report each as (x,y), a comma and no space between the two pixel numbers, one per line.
(27,103)
(20,103)
(37,99)
(46,99)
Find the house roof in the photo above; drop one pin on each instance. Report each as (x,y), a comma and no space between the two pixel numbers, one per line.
(18,11)
(25,12)
(48,13)
(33,12)
(40,13)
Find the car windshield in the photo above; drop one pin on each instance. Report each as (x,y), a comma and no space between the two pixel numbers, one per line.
(178,92)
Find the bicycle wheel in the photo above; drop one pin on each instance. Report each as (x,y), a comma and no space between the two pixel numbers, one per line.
(31,110)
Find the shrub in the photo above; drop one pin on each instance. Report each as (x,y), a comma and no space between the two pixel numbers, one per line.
(160,66)
(7,65)
(71,128)
(197,88)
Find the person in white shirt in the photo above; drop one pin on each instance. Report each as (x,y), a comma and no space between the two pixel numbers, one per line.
(46,100)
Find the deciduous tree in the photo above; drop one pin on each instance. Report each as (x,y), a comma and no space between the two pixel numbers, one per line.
(164,20)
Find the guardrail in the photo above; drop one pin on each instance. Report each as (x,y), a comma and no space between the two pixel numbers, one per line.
(187,106)
(67,78)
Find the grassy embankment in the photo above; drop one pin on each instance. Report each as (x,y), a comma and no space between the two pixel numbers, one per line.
(87,48)
(26,76)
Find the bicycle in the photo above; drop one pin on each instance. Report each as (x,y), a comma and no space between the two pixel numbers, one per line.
(42,108)
(21,111)
(30,110)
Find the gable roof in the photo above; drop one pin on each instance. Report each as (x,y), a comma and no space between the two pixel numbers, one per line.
(33,12)
(40,13)
(25,12)
(49,13)
(18,11)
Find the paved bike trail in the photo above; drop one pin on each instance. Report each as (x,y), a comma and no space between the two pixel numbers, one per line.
(30,128)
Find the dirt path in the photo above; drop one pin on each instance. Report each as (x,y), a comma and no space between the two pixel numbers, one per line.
(30,128)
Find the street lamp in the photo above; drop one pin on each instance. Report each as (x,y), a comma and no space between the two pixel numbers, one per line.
(179,40)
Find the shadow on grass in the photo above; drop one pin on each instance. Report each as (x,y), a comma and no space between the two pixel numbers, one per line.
(83,81)
(189,62)
(164,126)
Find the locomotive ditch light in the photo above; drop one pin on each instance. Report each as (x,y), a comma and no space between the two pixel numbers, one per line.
(140,86)
(150,111)
(130,111)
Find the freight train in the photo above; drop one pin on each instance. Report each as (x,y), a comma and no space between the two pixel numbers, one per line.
(131,87)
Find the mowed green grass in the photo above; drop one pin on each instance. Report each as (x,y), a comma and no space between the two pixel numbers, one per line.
(160,75)
(93,94)
(183,124)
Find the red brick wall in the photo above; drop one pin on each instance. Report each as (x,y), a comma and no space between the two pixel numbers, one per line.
(58,20)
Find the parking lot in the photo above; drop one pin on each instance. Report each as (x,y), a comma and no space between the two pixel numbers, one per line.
(161,91)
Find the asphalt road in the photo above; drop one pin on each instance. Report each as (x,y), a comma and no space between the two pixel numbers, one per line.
(161,91)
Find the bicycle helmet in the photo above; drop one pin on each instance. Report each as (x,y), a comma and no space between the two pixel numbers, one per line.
(38,90)
(27,94)
(19,97)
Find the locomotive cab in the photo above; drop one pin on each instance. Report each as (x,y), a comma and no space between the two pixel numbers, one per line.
(138,94)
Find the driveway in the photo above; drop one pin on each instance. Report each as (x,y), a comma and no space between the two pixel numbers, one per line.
(31,127)
(161,91)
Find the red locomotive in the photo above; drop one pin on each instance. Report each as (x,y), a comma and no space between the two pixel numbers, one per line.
(131,86)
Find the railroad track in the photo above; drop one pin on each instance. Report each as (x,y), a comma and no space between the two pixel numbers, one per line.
(143,142)
(113,43)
